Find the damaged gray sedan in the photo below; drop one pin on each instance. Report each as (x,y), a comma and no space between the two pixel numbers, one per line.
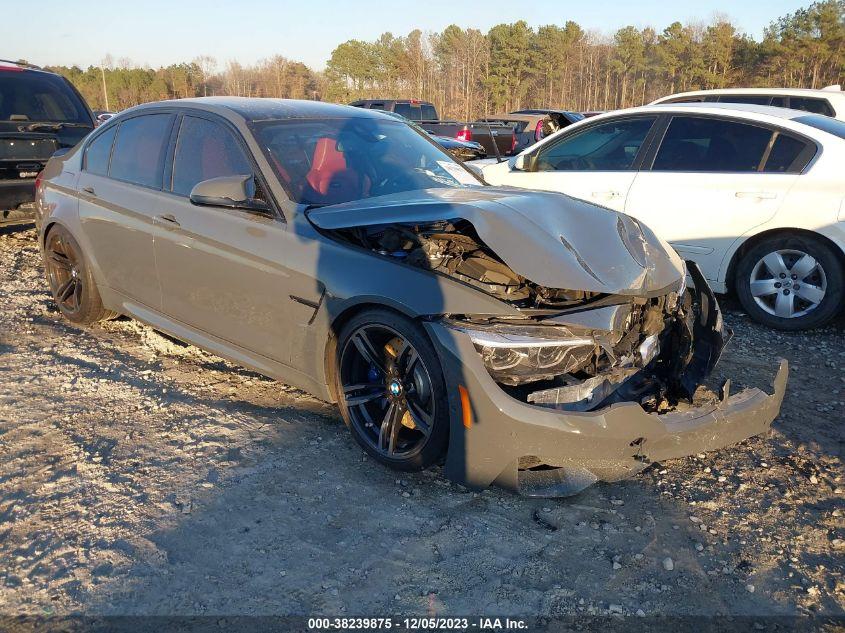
(529,339)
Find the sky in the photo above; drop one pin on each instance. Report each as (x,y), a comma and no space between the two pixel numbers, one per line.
(161,32)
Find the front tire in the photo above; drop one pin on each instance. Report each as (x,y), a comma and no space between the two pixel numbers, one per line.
(70,279)
(391,390)
(790,282)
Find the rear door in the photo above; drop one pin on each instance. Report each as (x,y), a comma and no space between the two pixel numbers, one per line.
(223,270)
(119,192)
(712,180)
(596,163)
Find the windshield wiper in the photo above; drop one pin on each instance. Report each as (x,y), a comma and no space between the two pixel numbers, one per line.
(49,126)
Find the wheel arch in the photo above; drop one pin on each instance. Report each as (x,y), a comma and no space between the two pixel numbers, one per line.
(751,242)
(338,322)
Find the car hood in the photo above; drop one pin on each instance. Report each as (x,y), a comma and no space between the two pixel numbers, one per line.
(549,238)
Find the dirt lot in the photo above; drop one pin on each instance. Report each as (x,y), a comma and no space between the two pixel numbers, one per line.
(141,476)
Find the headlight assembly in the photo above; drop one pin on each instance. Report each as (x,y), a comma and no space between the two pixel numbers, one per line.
(515,354)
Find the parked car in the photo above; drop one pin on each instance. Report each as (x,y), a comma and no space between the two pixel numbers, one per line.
(754,194)
(829,101)
(531,126)
(592,113)
(40,113)
(425,115)
(537,341)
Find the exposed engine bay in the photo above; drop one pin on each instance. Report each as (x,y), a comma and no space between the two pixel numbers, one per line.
(454,249)
(573,350)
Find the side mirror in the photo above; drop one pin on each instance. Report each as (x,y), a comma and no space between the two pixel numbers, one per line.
(520,163)
(233,192)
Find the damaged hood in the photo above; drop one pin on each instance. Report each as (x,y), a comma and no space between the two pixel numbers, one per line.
(550,238)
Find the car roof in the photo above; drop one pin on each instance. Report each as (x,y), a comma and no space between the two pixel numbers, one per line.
(771,115)
(20,67)
(261,109)
(803,92)
(724,108)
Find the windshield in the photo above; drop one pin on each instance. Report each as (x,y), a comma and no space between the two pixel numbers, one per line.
(40,97)
(330,161)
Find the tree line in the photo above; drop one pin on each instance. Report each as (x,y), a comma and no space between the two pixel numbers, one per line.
(467,73)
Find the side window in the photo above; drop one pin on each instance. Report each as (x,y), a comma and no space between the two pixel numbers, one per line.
(609,146)
(206,150)
(711,145)
(809,104)
(695,99)
(752,99)
(780,101)
(98,152)
(139,149)
(785,151)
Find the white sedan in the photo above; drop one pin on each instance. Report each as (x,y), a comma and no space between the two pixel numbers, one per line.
(755,195)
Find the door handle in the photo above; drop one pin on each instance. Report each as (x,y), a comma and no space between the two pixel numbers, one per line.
(167,220)
(606,194)
(89,190)
(759,195)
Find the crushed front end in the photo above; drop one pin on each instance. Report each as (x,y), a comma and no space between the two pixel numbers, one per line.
(548,406)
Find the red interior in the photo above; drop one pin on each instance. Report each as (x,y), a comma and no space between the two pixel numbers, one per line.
(329,175)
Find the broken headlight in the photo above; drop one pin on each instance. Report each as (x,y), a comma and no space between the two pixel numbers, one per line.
(516,354)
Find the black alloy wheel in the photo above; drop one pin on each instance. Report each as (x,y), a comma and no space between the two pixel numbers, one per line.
(63,272)
(71,283)
(391,391)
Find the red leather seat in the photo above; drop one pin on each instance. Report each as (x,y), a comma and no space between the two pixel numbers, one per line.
(329,177)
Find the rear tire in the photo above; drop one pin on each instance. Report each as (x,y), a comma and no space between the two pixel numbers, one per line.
(71,282)
(391,391)
(790,282)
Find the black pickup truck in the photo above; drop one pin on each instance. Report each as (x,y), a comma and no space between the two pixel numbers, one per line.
(40,113)
(425,115)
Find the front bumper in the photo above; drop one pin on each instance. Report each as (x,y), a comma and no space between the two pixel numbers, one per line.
(537,451)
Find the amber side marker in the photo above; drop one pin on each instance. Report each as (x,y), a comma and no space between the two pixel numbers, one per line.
(465,408)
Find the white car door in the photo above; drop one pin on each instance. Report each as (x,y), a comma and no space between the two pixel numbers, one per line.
(711,181)
(596,163)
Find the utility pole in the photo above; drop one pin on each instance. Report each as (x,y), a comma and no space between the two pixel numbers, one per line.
(105,92)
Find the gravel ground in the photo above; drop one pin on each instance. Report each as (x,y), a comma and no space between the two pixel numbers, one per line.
(142,476)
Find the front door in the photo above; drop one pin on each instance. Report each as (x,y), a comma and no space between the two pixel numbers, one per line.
(223,271)
(596,163)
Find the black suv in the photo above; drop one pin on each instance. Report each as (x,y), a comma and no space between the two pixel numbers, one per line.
(40,113)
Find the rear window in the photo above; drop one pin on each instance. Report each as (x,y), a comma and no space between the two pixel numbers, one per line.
(428,113)
(817,106)
(752,99)
(823,123)
(35,96)
(409,111)
(138,153)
